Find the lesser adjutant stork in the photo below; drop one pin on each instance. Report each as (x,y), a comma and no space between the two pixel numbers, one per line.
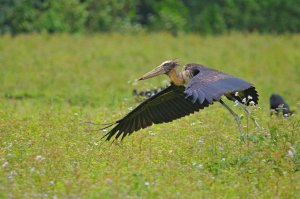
(192,89)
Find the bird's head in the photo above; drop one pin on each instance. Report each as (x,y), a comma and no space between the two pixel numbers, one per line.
(163,68)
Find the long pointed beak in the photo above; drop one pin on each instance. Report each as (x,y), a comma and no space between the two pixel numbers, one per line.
(155,72)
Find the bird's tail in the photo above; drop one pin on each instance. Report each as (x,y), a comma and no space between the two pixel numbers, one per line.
(245,97)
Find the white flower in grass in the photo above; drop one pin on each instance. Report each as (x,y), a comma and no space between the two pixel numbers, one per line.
(223,159)
(252,103)
(236,94)
(244,100)
(147,183)
(201,141)
(96,144)
(250,97)
(39,157)
(4,164)
(236,103)
(151,133)
(290,153)
(32,169)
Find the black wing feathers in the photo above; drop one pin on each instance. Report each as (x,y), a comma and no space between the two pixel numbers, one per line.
(244,94)
(167,105)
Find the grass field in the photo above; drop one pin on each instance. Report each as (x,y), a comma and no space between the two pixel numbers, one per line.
(50,84)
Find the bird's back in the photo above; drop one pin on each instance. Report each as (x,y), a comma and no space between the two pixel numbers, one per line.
(215,84)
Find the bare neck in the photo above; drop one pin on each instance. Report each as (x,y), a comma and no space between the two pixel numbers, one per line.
(176,77)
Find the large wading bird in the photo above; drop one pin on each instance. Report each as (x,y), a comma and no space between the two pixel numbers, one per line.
(192,89)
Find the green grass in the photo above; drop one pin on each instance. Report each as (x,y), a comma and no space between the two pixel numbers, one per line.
(50,84)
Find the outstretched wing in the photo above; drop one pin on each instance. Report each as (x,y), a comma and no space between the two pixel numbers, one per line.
(167,105)
(211,85)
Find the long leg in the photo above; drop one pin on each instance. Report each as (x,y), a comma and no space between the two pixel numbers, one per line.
(236,117)
(248,112)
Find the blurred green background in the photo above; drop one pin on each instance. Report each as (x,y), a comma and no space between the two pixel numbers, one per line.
(202,16)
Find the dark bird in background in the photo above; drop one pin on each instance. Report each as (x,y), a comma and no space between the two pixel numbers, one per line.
(147,93)
(278,105)
(192,89)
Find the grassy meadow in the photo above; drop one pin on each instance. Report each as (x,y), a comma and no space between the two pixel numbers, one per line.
(50,85)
